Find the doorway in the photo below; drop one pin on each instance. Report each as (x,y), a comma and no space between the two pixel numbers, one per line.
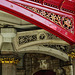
(45,72)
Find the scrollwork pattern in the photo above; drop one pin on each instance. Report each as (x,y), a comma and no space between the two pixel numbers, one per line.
(27,38)
(63,21)
(62,48)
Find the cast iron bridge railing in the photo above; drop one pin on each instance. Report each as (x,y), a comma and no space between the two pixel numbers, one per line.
(54,20)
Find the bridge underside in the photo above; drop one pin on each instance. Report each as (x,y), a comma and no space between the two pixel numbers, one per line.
(27,39)
(53,20)
(31,48)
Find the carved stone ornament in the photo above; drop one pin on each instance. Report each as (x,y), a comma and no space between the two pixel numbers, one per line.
(63,48)
(9,60)
(34,37)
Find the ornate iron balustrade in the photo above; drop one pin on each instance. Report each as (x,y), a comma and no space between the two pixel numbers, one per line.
(61,20)
(57,22)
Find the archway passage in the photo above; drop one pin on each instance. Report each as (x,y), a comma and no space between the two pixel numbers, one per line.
(45,72)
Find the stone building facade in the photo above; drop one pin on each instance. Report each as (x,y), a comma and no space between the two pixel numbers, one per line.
(26,49)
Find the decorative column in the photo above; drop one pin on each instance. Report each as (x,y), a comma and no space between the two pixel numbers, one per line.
(9,62)
(73,66)
(72,55)
(8,57)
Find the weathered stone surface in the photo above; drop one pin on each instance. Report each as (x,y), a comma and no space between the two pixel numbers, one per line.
(7,47)
(69,70)
(35,62)
(73,66)
(8,69)
(20,72)
(8,34)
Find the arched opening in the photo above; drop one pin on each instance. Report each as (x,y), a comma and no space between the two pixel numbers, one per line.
(45,72)
(41,64)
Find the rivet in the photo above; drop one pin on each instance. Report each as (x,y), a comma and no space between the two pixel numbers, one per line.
(66,33)
(31,14)
(50,24)
(11,6)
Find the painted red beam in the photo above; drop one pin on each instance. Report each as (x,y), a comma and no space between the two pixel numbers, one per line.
(56,3)
(38,20)
(65,5)
(69,5)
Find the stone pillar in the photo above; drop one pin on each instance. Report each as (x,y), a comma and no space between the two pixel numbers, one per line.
(9,62)
(8,69)
(72,55)
(8,34)
(73,58)
(8,57)
(68,69)
(73,66)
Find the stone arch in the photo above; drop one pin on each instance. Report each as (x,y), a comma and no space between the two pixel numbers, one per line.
(35,37)
(49,51)
(29,42)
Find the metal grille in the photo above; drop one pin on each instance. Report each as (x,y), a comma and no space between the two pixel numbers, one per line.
(63,21)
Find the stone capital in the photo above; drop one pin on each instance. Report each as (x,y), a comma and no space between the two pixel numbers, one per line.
(8,34)
(9,58)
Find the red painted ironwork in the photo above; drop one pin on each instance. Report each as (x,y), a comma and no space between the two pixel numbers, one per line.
(54,3)
(56,21)
(69,5)
(38,1)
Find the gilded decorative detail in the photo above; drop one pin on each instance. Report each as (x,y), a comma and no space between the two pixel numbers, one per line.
(9,60)
(63,21)
(67,23)
(72,54)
